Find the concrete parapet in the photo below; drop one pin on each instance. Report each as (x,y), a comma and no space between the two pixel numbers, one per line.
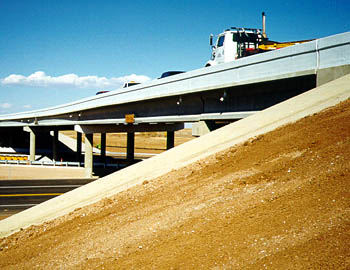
(12,172)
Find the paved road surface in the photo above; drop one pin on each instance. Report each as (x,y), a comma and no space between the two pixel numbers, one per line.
(17,195)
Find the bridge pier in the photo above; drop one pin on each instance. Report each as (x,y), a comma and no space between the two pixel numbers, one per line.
(88,158)
(47,141)
(170,139)
(88,148)
(44,140)
(130,147)
(55,145)
(32,141)
(79,141)
(103,147)
(89,130)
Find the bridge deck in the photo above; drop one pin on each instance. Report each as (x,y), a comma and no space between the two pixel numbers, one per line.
(197,93)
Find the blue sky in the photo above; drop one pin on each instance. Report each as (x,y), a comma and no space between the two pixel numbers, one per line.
(57,51)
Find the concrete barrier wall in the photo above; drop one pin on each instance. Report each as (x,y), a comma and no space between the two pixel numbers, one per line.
(12,172)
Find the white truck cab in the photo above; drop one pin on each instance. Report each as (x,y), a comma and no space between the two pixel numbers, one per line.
(234,43)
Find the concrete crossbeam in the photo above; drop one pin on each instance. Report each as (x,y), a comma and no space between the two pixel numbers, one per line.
(113,128)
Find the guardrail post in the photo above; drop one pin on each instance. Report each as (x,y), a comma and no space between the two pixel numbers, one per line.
(88,161)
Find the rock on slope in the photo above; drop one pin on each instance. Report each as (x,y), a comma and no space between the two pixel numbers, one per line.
(278,201)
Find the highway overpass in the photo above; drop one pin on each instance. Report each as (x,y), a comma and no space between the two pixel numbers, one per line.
(225,93)
(222,139)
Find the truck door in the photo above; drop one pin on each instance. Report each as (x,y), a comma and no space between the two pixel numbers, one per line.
(220,53)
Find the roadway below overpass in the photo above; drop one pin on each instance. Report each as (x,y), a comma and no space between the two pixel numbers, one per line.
(41,142)
(224,93)
(238,132)
(16,196)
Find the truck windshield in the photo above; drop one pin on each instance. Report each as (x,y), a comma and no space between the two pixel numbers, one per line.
(245,37)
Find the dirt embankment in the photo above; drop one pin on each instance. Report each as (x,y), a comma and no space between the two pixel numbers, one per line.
(279,201)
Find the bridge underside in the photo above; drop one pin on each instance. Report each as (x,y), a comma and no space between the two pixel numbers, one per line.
(40,142)
(245,98)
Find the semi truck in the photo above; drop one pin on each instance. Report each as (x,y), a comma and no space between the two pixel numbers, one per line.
(238,42)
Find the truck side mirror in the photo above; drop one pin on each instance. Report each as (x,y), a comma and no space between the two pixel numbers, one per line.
(211,40)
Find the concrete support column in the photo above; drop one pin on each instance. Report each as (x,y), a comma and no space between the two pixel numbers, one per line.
(103,147)
(32,145)
(130,146)
(55,145)
(170,139)
(79,135)
(88,162)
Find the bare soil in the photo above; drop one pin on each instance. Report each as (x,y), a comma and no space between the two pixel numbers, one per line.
(278,201)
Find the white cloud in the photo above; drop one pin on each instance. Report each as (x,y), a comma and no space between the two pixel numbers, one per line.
(27,106)
(5,105)
(40,79)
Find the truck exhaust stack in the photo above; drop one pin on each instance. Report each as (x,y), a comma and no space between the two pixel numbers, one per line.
(264,25)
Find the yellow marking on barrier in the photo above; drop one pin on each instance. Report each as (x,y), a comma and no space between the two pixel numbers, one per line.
(29,195)
(21,158)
